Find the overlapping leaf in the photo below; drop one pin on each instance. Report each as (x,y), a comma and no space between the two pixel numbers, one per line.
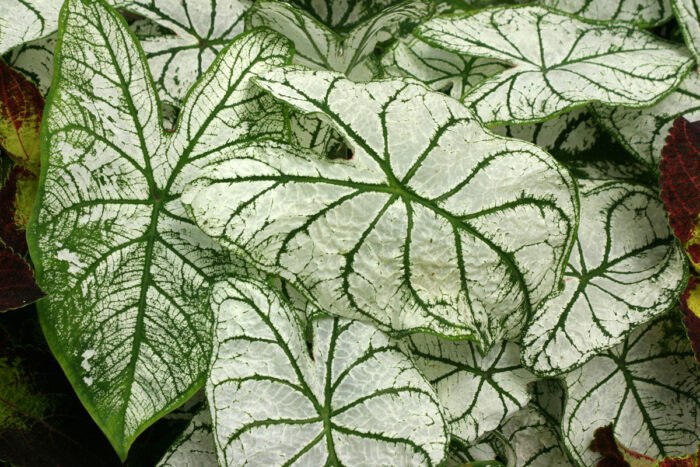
(688,15)
(439,69)
(35,60)
(647,387)
(195,446)
(351,397)
(626,268)
(201,30)
(690,307)
(642,12)
(481,454)
(478,392)
(320,47)
(643,131)
(560,62)
(128,274)
(344,16)
(436,224)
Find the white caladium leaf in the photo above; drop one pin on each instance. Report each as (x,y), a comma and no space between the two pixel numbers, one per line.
(201,30)
(688,15)
(477,392)
(533,440)
(487,452)
(645,13)
(626,268)
(35,60)
(349,397)
(648,387)
(319,47)
(643,131)
(560,62)
(195,446)
(127,273)
(27,20)
(342,16)
(439,69)
(436,224)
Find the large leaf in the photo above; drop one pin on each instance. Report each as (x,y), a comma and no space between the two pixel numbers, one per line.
(436,224)
(688,15)
(560,62)
(626,268)
(647,387)
(201,30)
(348,397)
(643,131)
(195,446)
(439,69)
(478,392)
(641,12)
(128,274)
(319,47)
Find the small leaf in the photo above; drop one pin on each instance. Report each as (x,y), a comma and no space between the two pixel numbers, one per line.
(439,69)
(319,47)
(647,387)
(643,131)
(454,229)
(560,62)
(688,16)
(21,106)
(645,13)
(353,398)
(128,274)
(195,446)
(200,31)
(477,392)
(625,269)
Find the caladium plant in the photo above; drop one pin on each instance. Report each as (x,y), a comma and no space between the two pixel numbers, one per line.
(402,232)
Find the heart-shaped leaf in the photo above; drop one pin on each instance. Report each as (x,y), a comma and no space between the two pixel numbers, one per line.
(439,69)
(128,275)
(560,62)
(477,392)
(688,15)
(643,131)
(348,397)
(647,387)
(626,268)
(320,47)
(201,30)
(436,224)
(645,13)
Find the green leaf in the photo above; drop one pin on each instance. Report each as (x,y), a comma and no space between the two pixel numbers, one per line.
(643,131)
(26,20)
(128,275)
(195,446)
(560,62)
(688,15)
(439,69)
(319,47)
(435,224)
(348,397)
(201,30)
(625,269)
(648,387)
(477,392)
(645,13)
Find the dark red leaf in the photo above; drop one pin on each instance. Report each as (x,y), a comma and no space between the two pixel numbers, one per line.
(17,287)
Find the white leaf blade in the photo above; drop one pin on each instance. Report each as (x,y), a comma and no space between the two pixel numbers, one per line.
(645,13)
(560,62)
(389,190)
(195,446)
(688,14)
(625,269)
(356,400)
(110,230)
(648,387)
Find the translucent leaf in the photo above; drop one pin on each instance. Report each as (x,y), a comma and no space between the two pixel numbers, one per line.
(349,397)
(128,275)
(647,387)
(626,268)
(478,392)
(435,224)
(560,62)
